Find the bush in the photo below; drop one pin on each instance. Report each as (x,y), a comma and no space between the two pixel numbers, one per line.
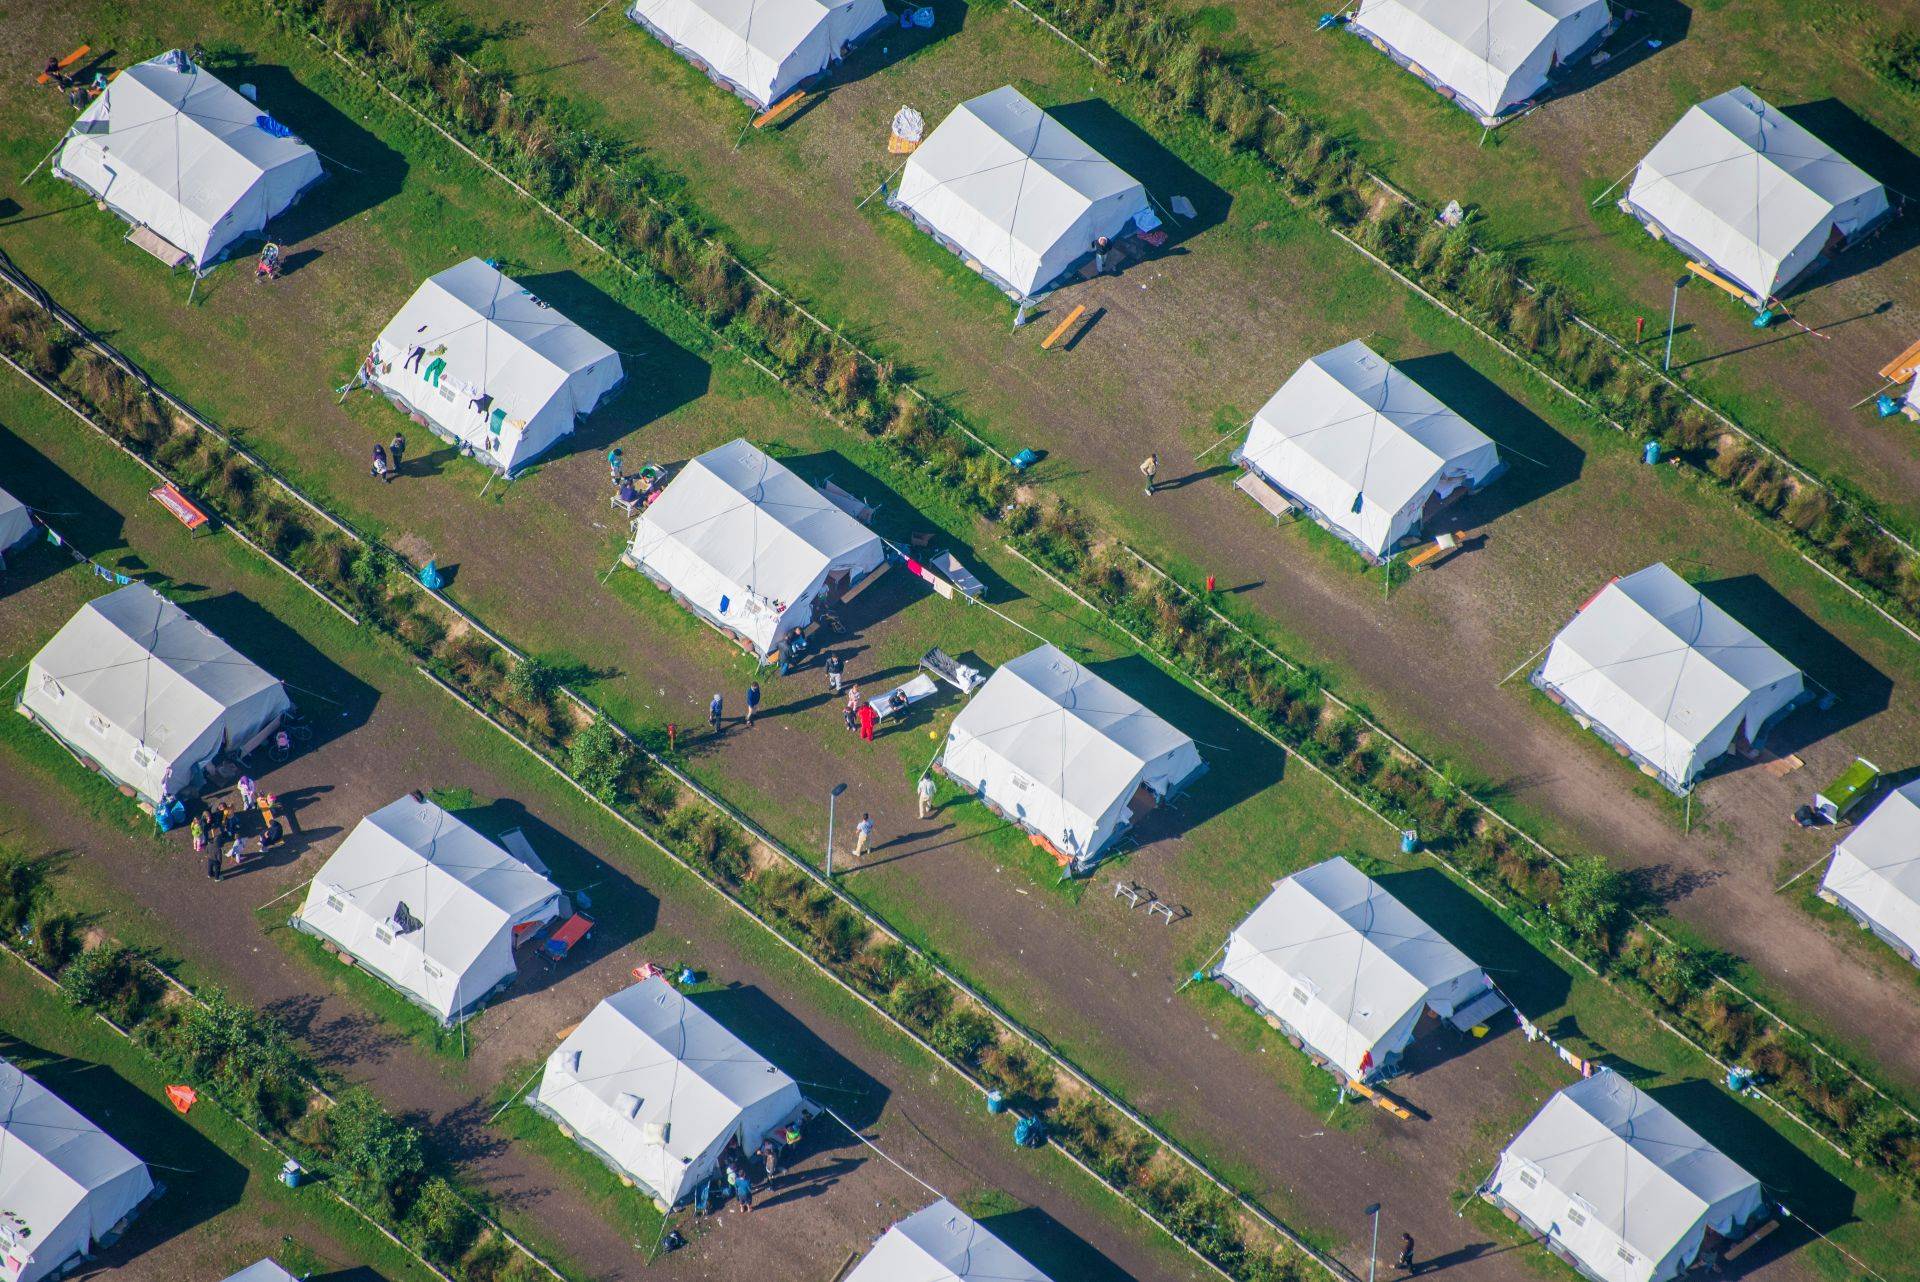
(380,1160)
(442,1225)
(598,757)
(1591,901)
(963,1034)
(243,1055)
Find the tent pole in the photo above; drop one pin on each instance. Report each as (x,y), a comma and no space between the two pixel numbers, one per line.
(590,17)
(1610,186)
(882,187)
(1689,820)
(1884,389)
(44,159)
(1523,664)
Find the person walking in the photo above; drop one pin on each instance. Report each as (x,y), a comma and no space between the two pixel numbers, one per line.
(753,701)
(213,861)
(836,668)
(1148,467)
(396,450)
(742,1189)
(614,461)
(925,792)
(247,793)
(868,720)
(863,835)
(380,463)
(770,1154)
(1406,1253)
(714,710)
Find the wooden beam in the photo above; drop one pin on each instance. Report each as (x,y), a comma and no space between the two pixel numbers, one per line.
(1901,367)
(779,109)
(67,61)
(1061,328)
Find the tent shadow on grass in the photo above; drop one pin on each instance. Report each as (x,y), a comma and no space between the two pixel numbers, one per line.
(378,171)
(1667,21)
(335,701)
(1240,764)
(661,375)
(1860,689)
(1789,1175)
(1052,1247)
(89,525)
(889,46)
(1884,158)
(1164,175)
(202,1180)
(1551,461)
(1527,976)
(825,1075)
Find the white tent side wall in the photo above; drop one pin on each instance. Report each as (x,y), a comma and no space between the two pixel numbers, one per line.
(969,760)
(762,71)
(16,523)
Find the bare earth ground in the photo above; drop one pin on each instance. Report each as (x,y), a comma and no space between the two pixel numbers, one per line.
(1536,178)
(407,735)
(1214,327)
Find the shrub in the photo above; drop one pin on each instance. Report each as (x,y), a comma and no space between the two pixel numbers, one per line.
(380,1160)
(442,1225)
(963,1034)
(1591,901)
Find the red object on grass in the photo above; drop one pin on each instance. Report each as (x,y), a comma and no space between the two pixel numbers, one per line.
(180,505)
(182,1097)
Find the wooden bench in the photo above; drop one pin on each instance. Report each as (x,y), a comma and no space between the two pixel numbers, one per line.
(1271,500)
(157,245)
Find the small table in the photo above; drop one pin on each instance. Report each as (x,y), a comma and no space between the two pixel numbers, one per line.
(571,931)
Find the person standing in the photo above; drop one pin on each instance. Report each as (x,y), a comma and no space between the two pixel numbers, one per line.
(1406,1253)
(714,710)
(198,831)
(868,720)
(753,701)
(213,861)
(1148,467)
(836,668)
(380,463)
(742,1189)
(396,450)
(614,461)
(925,793)
(863,835)
(247,793)
(770,1154)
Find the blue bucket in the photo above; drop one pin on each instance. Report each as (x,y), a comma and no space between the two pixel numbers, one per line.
(996,1102)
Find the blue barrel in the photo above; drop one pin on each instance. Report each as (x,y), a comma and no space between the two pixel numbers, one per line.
(996,1102)
(1409,841)
(1651,454)
(290,1174)
(1764,319)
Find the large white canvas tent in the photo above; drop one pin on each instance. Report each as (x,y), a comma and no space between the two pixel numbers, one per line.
(941,1243)
(16,523)
(261,1271)
(1368,451)
(1658,670)
(1065,754)
(1875,873)
(760,49)
(1015,193)
(171,149)
(64,1183)
(150,698)
(1350,970)
(429,905)
(1490,58)
(486,364)
(749,546)
(1619,1185)
(1751,194)
(656,1087)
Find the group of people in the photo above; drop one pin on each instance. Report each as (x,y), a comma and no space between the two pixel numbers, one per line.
(387,458)
(737,1181)
(220,831)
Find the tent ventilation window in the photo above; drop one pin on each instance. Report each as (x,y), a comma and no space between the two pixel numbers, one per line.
(97,724)
(1300,995)
(1626,1256)
(142,758)
(53,688)
(433,971)
(1576,1217)
(336,903)
(1529,1179)
(384,932)
(628,1103)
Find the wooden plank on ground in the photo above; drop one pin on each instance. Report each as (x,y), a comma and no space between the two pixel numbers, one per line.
(1713,277)
(1901,367)
(67,61)
(1061,328)
(1381,1100)
(779,109)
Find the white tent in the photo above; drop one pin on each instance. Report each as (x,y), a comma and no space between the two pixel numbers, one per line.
(1650,664)
(1065,754)
(169,147)
(656,1087)
(1015,193)
(1875,873)
(490,366)
(750,547)
(261,1271)
(1489,57)
(16,523)
(64,1182)
(1365,448)
(1619,1184)
(941,1243)
(149,697)
(1350,969)
(760,49)
(1750,193)
(429,905)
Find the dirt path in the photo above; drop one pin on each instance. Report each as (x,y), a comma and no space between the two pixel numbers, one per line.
(407,735)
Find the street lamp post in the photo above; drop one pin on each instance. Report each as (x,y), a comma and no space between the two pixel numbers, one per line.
(1373,1252)
(837,790)
(1673,313)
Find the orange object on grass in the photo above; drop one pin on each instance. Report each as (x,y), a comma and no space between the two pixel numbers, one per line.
(180,505)
(182,1097)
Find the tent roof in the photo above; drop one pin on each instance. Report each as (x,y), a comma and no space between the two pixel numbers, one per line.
(683,1066)
(261,1271)
(1476,48)
(1071,731)
(1357,418)
(752,522)
(187,133)
(524,345)
(1642,1171)
(1016,167)
(1652,638)
(771,29)
(141,662)
(461,887)
(1366,954)
(16,521)
(941,1243)
(1877,865)
(1735,167)
(51,1157)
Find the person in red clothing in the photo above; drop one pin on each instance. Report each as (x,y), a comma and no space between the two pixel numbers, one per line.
(868,720)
